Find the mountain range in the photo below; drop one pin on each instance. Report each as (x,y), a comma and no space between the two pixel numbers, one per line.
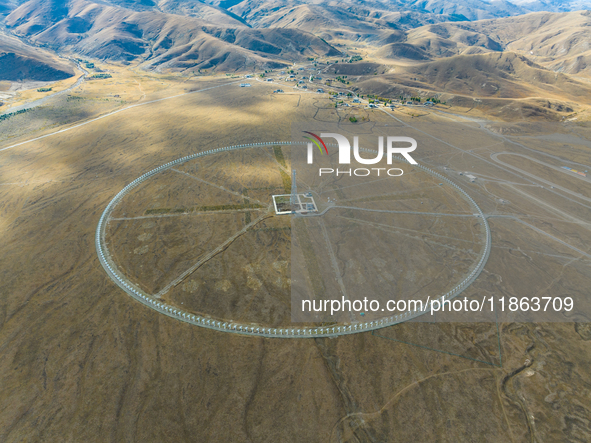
(487,49)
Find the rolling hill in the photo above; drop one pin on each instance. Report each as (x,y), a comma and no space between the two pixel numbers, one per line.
(356,21)
(558,41)
(160,40)
(561,42)
(357,14)
(499,75)
(503,84)
(409,47)
(20,62)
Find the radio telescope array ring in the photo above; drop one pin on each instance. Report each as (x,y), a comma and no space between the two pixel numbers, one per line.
(155,302)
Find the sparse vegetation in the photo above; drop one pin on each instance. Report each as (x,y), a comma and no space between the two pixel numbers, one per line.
(279,156)
(310,258)
(100,76)
(286,179)
(11,114)
(55,189)
(182,210)
(287,228)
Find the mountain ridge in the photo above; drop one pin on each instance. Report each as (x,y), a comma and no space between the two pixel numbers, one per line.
(165,41)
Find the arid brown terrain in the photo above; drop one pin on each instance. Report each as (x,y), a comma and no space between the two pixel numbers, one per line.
(495,94)
(85,362)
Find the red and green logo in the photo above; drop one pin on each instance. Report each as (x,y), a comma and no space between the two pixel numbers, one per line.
(315,140)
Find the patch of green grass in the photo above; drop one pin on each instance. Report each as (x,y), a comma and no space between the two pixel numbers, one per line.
(226,207)
(203,209)
(158,211)
(271,229)
(310,258)
(279,156)
(286,179)
(399,196)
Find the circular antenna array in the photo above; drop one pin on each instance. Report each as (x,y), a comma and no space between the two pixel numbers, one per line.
(159,274)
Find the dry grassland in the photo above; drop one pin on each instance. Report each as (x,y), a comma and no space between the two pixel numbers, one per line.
(82,361)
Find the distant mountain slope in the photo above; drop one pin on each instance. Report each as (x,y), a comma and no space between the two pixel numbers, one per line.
(198,9)
(365,21)
(558,41)
(495,75)
(161,40)
(231,35)
(553,5)
(189,8)
(436,41)
(501,75)
(260,13)
(471,9)
(19,62)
